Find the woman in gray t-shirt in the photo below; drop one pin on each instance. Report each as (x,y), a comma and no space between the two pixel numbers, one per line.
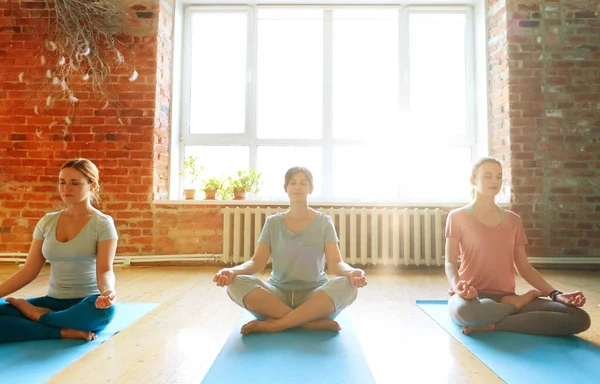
(80,243)
(300,241)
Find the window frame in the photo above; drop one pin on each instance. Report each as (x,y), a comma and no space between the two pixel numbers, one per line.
(475,137)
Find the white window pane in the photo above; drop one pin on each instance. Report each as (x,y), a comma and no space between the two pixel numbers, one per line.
(435,173)
(364,173)
(273,162)
(365,73)
(220,161)
(289,74)
(408,172)
(438,73)
(218,86)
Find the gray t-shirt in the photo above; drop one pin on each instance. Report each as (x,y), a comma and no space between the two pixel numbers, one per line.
(73,263)
(298,257)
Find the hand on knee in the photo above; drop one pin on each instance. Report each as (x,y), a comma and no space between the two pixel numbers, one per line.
(100,317)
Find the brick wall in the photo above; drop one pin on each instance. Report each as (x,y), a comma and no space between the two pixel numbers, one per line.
(544,126)
(133,157)
(163,98)
(545,119)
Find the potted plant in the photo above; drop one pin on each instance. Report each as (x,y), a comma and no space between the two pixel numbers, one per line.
(211,187)
(191,169)
(246,181)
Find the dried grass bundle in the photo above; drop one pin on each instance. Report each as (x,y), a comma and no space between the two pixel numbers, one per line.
(83,39)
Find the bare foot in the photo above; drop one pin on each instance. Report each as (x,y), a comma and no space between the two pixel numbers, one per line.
(484,328)
(520,301)
(30,311)
(325,324)
(75,334)
(258,326)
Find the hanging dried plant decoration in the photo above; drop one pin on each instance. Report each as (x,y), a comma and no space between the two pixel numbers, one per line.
(83,38)
(81,48)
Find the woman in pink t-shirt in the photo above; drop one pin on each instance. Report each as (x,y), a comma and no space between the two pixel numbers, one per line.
(491,242)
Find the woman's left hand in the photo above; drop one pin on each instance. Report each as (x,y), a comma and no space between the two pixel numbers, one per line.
(358,278)
(573,299)
(106,299)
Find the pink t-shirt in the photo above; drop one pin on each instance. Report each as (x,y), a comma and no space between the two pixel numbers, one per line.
(487,253)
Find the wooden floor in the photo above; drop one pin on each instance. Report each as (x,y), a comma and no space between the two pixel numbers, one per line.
(177,342)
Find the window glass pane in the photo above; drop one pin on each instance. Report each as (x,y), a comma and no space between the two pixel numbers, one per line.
(219,161)
(435,173)
(289,74)
(365,73)
(273,162)
(411,172)
(218,86)
(364,173)
(438,73)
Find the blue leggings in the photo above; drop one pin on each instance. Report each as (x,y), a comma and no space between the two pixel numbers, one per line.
(80,314)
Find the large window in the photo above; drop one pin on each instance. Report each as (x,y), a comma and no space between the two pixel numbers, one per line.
(377,101)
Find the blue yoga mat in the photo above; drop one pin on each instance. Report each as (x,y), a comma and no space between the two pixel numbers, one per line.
(37,361)
(520,358)
(293,356)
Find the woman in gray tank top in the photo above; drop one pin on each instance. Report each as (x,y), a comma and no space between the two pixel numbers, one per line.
(300,241)
(80,243)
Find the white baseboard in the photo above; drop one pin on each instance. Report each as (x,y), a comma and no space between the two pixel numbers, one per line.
(564,260)
(19,258)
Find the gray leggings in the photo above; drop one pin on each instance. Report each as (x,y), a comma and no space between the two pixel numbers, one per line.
(540,317)
(339,289)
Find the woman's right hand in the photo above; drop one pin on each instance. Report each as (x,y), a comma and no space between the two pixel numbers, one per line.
(224,277)
(465,290)
(573,299)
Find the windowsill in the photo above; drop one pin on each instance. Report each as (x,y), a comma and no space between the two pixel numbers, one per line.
(360,204)
(320,2)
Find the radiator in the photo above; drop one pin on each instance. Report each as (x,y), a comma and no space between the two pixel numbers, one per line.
(368,236)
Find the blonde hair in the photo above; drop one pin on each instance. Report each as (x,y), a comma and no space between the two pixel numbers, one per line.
(475,169)
(89,171)
(290,172)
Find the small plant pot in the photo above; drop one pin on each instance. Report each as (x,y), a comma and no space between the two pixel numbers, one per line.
(189,194)
(239,195)
(210,194)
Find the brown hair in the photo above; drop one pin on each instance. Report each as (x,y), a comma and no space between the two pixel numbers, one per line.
(475,169)
(290,172)
(89,171)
